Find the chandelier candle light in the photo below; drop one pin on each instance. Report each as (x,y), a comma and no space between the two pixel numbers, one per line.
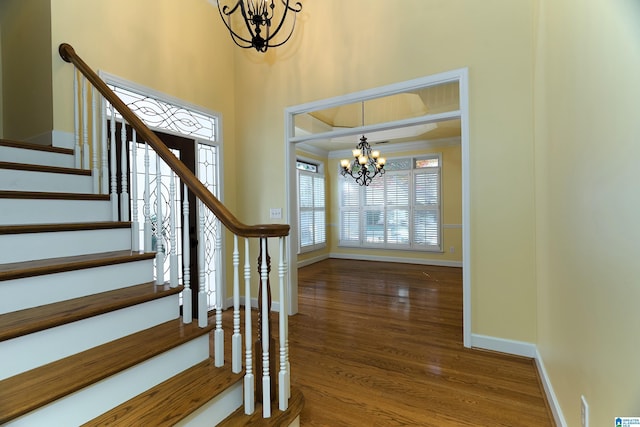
(261,22)
(366,163)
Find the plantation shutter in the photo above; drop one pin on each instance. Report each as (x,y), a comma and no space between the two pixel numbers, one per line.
(426,222)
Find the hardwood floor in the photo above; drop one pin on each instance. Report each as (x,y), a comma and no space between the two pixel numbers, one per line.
(380,344)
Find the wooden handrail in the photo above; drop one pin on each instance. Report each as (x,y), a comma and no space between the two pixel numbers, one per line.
(68,54)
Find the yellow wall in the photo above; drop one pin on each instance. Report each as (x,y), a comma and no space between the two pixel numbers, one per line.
(346,46)
(26,73)
(451,209)
(587,178)
(170,48)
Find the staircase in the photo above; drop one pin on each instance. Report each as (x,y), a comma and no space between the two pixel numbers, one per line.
(86,336)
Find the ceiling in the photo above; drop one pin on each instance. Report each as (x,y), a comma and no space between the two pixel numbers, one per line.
(423,102)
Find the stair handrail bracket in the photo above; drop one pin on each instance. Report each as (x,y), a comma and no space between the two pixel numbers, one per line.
(258,379)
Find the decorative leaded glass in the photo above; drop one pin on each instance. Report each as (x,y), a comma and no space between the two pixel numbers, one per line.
(165,116)
(398,164)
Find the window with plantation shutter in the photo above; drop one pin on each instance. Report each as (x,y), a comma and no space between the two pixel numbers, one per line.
(311,209)
(398,210)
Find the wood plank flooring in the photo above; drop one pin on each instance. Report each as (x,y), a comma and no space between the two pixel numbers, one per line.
(380,344)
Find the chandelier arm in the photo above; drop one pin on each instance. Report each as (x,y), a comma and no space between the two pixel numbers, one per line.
(225,11)
(287,8)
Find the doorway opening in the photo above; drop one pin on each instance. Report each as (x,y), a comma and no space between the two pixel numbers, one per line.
(397,119)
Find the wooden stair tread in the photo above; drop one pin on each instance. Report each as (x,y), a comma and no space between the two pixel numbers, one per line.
(18,270)
(8,194)
(44,168)
(278,417)
(172,400)
(22,322)
(30,390)
(35,147)
(76,226)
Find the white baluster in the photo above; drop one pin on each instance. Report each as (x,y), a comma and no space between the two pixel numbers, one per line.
(124,155)
(148,231)
(85,126)
(173,257)
(112,174)
(187,313)
(266,379)
(104,164)
(236,340)
(76,122)
(219,289)
(202,293)
(283,392)
(286,321)
(135,225)
(94,141)
(159,220)
(249,383)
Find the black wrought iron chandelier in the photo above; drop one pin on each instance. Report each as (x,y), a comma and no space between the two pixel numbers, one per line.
(366,163)
(261,24)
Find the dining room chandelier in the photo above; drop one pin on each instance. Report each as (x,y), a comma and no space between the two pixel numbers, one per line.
(366,163)
(262,22)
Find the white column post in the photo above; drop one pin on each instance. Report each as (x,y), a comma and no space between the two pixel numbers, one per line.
(266,379)
(249,382)
(104,164)
(236,340)
(159,221)
(202,293)
(124,156)
(173,254)
(112,174)
(77,151)
(135,224)
(148,232)
(219,334)
(187,313)
(85,126)
(283,378)
(95,172)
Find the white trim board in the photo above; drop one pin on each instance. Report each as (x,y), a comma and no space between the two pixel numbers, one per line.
(518,348)
(403,260)
(312,260)
(558,416)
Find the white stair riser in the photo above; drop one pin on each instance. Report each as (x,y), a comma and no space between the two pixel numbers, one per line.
(36,157)
(92,401)
(18,294)
(30,351)
(19,180)
(45,211)
(215,410)
(33,246)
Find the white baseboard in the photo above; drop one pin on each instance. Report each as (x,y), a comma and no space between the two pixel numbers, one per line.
(525,349)
(312,260)
(558,416)
(518,348)
(422,261)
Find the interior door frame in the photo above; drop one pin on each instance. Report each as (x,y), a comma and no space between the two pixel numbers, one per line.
(459,75)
